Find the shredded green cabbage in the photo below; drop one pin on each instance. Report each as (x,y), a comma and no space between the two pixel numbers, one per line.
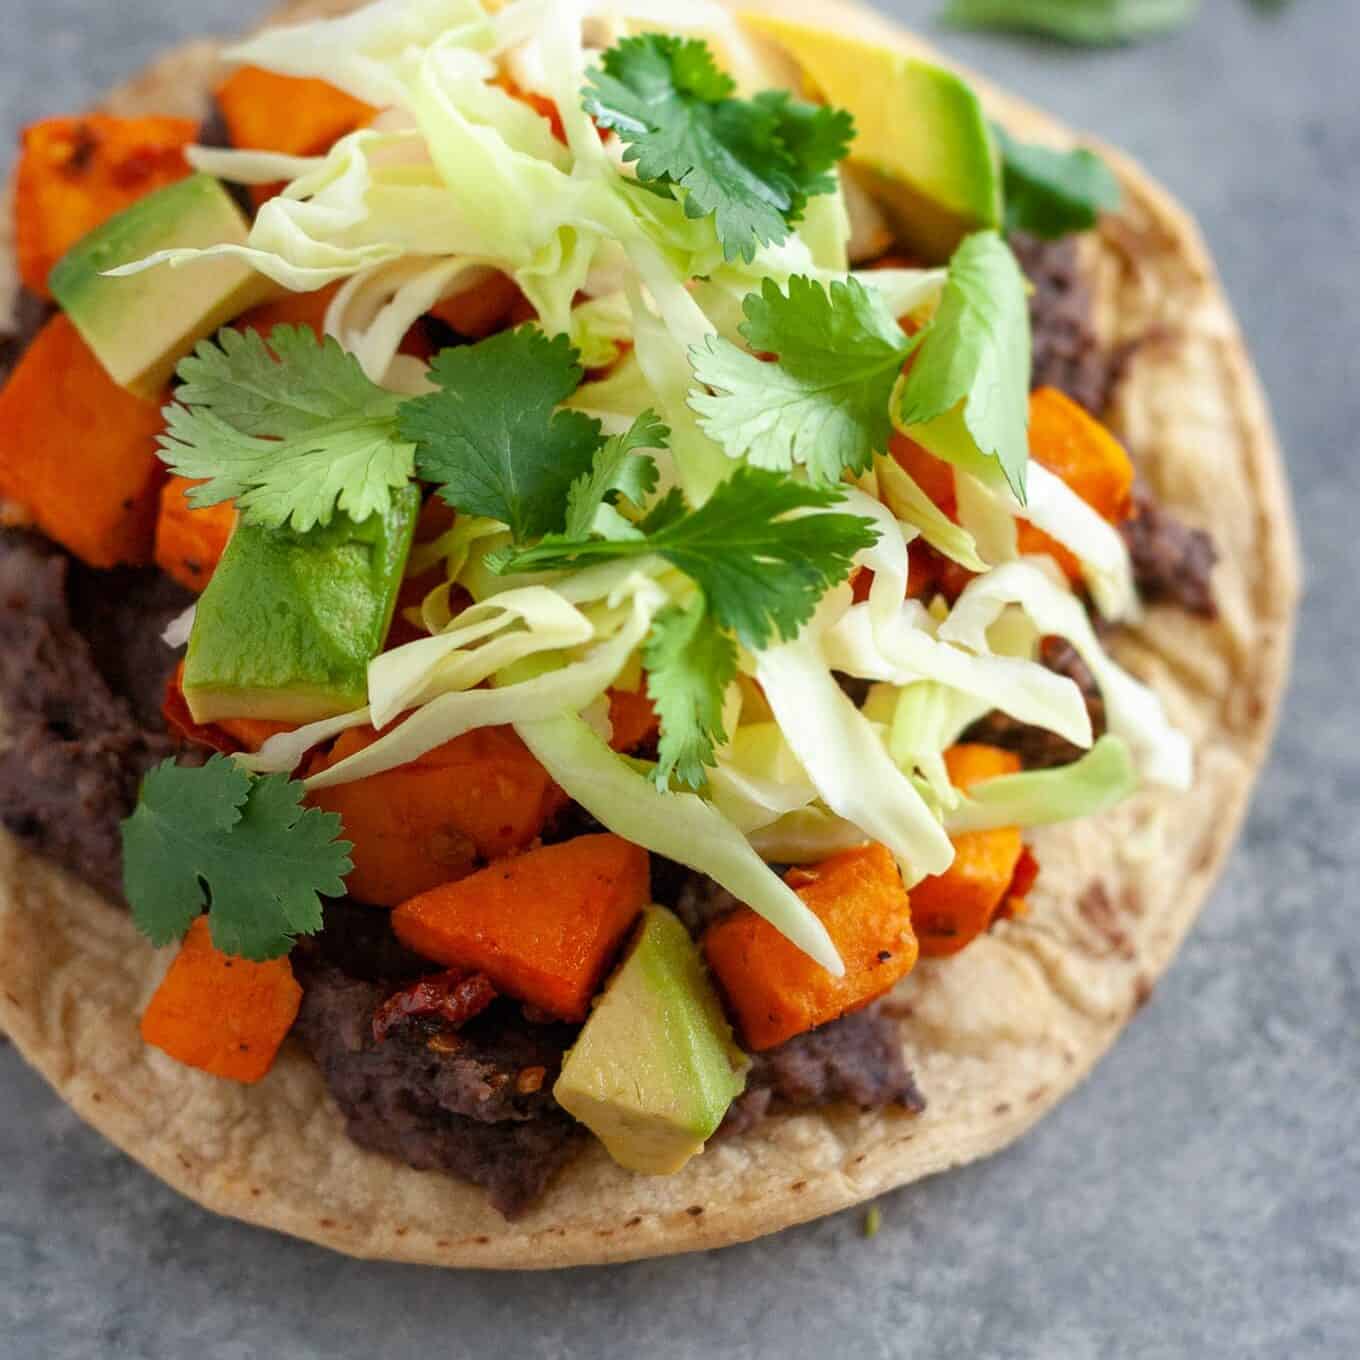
(846,760)
(927,719)
(1104,776)
(1133,711)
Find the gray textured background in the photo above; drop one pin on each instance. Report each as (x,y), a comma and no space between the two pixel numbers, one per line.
(1200,1195)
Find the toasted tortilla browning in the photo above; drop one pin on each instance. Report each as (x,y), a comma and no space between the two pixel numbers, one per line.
(1117,893)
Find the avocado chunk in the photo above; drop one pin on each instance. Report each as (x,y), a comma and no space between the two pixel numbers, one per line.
(655,1067)
(289,622)
(922,145)
(140,327)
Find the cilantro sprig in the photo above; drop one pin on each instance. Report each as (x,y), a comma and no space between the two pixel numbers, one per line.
(245,848)
(837,387)
(751,163)
(620,473)
(824,404)
(1053,193)
(690,662)
(493,439)
(970,376)
(292,429)
(760,562)
(1093,22)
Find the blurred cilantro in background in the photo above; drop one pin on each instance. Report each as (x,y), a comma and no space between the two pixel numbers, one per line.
(1088,22)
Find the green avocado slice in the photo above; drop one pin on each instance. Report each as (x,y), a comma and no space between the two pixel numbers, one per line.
(922,144)
(655,1067)
(140,327)
(289,622)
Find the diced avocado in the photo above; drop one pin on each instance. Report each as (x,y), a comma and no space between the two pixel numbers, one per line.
(655,1067)
(143,325)
(289,622)
(922,145)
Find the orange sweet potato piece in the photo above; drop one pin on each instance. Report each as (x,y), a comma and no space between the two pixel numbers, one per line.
(1030,541)
(299,117)
(80,451)
(268,112)
(543,926)
(633,719)
(1075,446)
(480,310)
(545,108)
(929,572)
(76,173)
(222,1014)
(953,908)
(933,475)
(190,540)
(971,762)
(774,990)
(292,309)
(250,734)
(476,798)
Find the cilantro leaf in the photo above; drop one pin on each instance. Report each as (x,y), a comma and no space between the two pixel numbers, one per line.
(816,138)
(1093,22)
(761,567)
(972,363)
(244,848)
(825,404)
(753,164)
(1053,193)
(762,572)
(291,430)
(619,471)
(690,662)
(492,437)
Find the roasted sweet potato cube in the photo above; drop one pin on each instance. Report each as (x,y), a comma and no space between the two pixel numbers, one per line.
(953,908)
(224,1015)
(1075,446)
(76,173)
(543,926)
(79,452)
(292,309)
(633,719)
(775,991)
(933,475)
(265,111)
(190,540)
(478,311)
(971,762)
(476,798)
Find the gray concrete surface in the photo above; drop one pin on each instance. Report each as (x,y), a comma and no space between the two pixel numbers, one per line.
(1200,1195)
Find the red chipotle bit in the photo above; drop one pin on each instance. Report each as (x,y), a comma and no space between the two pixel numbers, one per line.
(453,997)
(1026,872)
